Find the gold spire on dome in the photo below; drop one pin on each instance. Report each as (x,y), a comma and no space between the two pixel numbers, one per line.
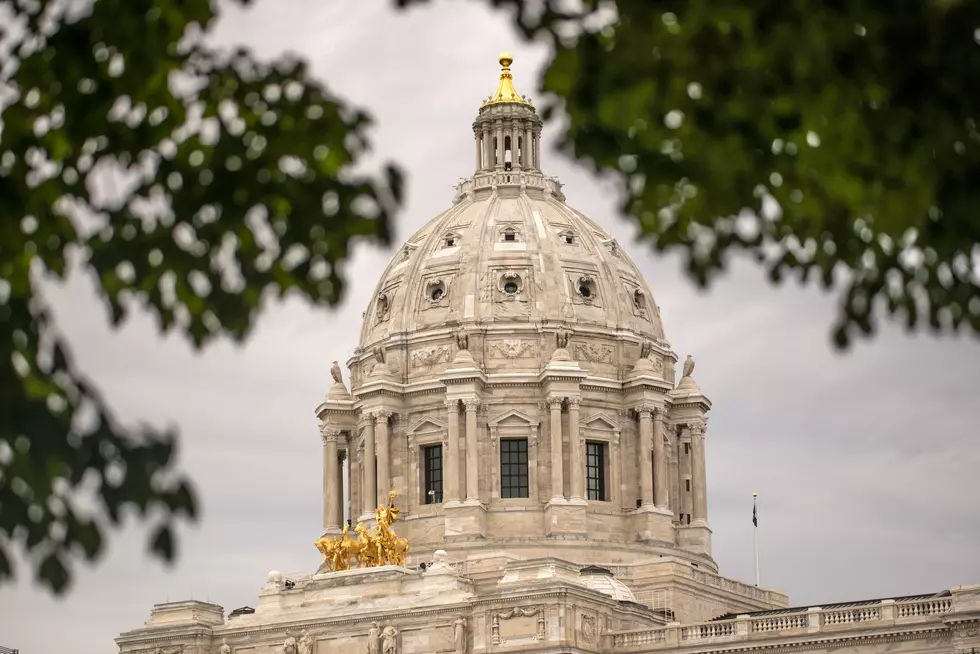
(505,90)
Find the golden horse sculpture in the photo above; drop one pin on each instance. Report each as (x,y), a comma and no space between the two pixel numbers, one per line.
(385,547)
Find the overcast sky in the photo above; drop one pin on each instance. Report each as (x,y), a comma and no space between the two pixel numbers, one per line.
(865,464)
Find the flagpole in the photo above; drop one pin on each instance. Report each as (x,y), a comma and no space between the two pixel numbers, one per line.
(755,532)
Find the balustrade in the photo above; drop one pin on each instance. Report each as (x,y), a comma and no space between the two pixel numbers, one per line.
(708,630)
(629,639)
(922,608)
(765,627)
(780,622)
(850,616)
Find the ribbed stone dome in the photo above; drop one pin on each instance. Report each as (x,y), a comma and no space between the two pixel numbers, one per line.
(523,256)
(603,581)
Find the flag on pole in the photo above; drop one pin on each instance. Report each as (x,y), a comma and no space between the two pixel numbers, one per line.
(755,519)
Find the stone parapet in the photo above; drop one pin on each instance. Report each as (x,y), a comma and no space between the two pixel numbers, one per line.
(789,629)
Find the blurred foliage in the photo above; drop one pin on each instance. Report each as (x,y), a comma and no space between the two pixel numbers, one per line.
(835,139)
(191,183)
(831,139)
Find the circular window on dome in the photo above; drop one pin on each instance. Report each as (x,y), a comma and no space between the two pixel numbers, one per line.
(435,290)
(586,287)
(511,284)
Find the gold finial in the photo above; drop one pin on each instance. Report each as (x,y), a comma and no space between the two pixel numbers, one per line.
(505,90)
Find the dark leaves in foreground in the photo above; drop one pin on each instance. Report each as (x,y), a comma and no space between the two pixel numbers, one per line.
(190,183)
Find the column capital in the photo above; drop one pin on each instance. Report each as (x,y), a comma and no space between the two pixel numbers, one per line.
(645,409)
(329,434)
(381,416)
(471,403)
(553,400)
(573,402)
(661,413)
(453,404)
(697,428)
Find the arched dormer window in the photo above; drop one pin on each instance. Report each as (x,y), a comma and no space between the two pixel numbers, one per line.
(450,240)
(568,237)
(510,234)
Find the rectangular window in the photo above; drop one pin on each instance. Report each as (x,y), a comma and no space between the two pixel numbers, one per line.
(432,460)
(513,467)
(595,470)
(687,485)
(688,518)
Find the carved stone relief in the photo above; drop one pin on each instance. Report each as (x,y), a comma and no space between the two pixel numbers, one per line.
(435,293)
(382,306)
(584,288)
(374,639)
(289,645)
(517,613)
(511,348)
(459,635)
(389,640)
(425,357)
(592,352)
(589,631)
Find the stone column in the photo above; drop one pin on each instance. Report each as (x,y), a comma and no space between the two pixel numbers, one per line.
(537,150)
(370,481)
(528,150)
(451,472)
(384,456)
(699,503)
(341,500)
(498,132)
(472,458)
(487,145)
(329,437)
(476,138)
(576,462)
(557,482)
(659,461)
(646,458)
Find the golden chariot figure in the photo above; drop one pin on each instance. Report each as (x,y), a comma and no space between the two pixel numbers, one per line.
(384,547)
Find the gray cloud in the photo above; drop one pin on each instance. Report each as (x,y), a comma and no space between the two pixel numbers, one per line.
(865,463)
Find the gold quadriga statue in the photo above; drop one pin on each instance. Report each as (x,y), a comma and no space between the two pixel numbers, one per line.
(366,551)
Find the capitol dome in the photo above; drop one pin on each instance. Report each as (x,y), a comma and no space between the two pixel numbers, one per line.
(512,382)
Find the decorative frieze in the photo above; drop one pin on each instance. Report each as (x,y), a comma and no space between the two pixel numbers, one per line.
(515,624)
(426,357)
(511,348)
(592,352)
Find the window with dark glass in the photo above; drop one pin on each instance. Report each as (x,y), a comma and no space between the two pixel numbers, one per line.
(595,470)
(432,460)
(687,448)
(513,467)
(687,484)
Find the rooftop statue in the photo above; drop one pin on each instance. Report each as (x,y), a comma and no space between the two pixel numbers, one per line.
(384,547)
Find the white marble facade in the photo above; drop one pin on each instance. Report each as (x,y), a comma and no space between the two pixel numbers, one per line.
(513,383)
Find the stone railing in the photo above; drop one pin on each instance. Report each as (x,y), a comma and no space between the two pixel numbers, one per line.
(528,179)
(711,579)
(804,622)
